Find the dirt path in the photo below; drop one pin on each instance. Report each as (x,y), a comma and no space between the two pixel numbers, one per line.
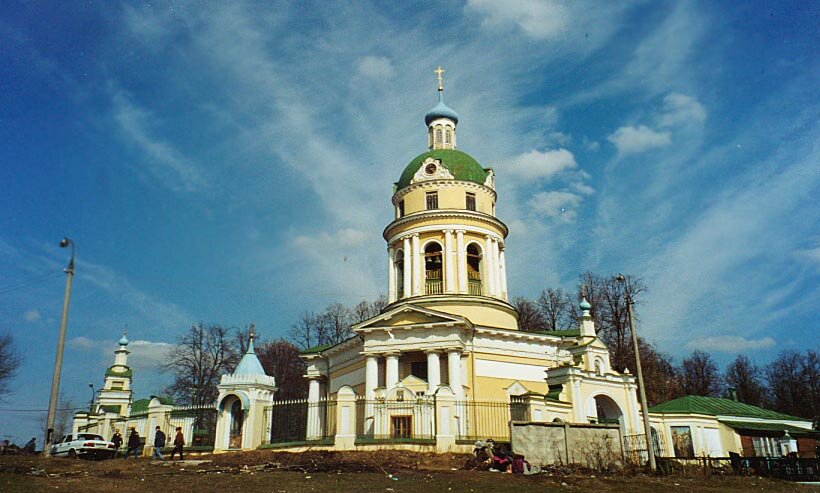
(267,471)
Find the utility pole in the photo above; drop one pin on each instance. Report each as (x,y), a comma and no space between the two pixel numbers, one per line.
(58,361)
(647,428)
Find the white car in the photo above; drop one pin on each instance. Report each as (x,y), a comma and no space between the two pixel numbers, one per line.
(85,445)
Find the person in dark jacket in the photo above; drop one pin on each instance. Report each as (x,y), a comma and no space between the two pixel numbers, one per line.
(179,442)
(159,442)
(116,439)
(133,443)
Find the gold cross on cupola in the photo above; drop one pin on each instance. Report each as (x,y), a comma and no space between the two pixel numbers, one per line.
(439,71)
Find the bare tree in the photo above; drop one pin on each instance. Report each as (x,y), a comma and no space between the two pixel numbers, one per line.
(554,305)
(281,359)
(368,309)
(609,312)
(794,383)
(199,359)
(700,375)
(334,324)
(745,377)
(63,416)
(661,378)
(305,331)
(529,317)
(10,361)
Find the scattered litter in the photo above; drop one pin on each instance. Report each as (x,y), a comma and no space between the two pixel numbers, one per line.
(308,477)
(564,484)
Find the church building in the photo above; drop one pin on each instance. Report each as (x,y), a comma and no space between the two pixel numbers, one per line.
(448,322)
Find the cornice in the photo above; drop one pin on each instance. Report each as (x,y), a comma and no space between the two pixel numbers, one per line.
(446,214)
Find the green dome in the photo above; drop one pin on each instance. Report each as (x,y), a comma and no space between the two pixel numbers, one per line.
(461,165)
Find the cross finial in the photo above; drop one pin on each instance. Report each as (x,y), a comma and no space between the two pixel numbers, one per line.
(251,335)
(439,71)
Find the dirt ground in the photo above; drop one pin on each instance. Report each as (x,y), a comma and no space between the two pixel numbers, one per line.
(392,471)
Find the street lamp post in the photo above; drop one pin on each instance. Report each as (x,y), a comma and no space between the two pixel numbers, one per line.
(58,361)
(647,428)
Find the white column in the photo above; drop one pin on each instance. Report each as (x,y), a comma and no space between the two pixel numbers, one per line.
(488,275)
(502,268)
(408,268)
(433,372)
(461,259)
(449,285)
(454,372)
(418,271)
(391,276)
(314,425)
(392,371)
(371,377)
(496,269)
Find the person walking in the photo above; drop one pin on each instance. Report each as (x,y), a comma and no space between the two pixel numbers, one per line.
(159,442)
(116,439)
(133,443)
(179,442)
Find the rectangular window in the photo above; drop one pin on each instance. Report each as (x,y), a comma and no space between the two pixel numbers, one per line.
(401,208)
(470,201)
(432,200)
(402,426)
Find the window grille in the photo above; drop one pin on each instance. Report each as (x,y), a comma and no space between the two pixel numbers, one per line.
(432,200)
(470,201)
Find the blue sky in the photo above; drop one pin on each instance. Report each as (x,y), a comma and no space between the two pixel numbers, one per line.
(231,162)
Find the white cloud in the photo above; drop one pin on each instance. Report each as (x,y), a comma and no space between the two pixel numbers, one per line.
(376,67)
(540,165)
(680,109)
(631,139)
(556,204)
(731,344)
(32,316)
(82,342)
(147,354)
(174,170)
(540,19)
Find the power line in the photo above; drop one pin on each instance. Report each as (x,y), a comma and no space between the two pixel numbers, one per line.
(27,283)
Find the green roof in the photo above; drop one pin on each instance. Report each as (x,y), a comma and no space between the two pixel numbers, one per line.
(140,406)
(776,427)
(714,406)
(114,373)
(316,349)
(461,165)
(562,333)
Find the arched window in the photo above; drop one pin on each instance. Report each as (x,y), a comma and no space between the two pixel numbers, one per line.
(449,138)
(473,269)
(432,268)
(438,137)
(599,367)
(398,262)
(430,137)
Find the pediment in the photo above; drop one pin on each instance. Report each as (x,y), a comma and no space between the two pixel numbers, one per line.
(517,388)
(409,315)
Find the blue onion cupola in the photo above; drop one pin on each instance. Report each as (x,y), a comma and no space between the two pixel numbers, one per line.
(249,364)
(441,121)
(124,338)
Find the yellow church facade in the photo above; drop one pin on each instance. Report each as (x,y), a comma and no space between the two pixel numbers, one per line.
(449,328)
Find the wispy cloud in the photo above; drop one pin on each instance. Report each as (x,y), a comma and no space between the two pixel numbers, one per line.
(630,140)
(169,166)
(376,67)
(31,315)
(731,344)
(540,19)
(535,164)
(680,109)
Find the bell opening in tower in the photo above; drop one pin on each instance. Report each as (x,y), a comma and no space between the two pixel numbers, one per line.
(473,270)
(433,269)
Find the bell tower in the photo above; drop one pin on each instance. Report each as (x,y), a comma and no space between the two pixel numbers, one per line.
(445,245)
(115,396)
